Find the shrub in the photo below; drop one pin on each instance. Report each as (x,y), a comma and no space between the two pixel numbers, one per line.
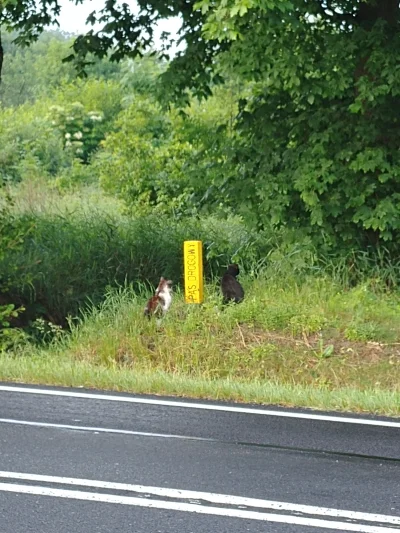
(12,234)
(68,261)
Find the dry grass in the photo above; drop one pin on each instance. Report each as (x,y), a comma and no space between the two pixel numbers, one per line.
(298,340)
(308,336)
(41,197)
(311,345)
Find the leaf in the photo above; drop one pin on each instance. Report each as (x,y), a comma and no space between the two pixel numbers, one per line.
(328,351)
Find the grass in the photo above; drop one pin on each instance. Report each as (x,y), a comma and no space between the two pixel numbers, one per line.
(70,247)
(312,332)
(311,345)
(37,196)
(67,372)
(73,250)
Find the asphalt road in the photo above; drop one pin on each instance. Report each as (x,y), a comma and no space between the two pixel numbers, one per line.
(85,462)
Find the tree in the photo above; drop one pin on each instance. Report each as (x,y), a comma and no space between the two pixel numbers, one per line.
(317,141)
(161,161)
(34,72)
(123,33)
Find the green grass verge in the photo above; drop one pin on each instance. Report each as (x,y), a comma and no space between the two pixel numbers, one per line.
(67,372)
(309,345)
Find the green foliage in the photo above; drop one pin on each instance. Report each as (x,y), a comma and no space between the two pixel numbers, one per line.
(35,72)
(364,331)
(102,95)
(71,257)
(45,138)
(42,331)
(141,76)
(13,232)
(10,337)
(84,121)
(29,73)
(12,235)
(307,323)
(129,167)
(316,145)
(79,128)
(67,261)
(222,20)
(315,150)
(301,142)
(167,162)
(75,176)
(27,132)
(123,33)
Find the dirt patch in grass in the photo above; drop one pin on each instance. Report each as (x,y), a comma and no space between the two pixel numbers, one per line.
(321,359)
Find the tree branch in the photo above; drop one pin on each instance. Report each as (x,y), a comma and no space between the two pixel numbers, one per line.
(1,56)
(387,10)
(325,6)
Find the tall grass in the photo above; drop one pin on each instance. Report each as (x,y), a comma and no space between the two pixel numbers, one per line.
(305,340)
(320,331)
(75,250)
(68,260)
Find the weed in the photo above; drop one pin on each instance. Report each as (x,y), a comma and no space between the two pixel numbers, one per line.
(324,351)
(364,331)
(208,341)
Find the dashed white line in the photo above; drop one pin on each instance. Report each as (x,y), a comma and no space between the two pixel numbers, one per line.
(101,430)
(204,406)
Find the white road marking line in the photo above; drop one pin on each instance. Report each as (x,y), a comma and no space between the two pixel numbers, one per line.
(205,406)
(101,430)
(193,508)
(210,497)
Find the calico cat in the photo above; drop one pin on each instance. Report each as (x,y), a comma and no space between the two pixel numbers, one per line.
(231,289)
(162,299)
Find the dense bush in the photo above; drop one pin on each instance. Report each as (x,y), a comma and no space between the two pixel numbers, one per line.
(13,231)
(159,161)
(67,261)
(48,137)
(27,132)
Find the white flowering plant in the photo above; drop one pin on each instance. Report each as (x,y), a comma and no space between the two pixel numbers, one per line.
(80,129)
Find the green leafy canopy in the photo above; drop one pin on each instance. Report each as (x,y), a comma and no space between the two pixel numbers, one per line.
(317,137)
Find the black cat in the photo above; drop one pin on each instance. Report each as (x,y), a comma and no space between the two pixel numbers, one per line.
(231,289)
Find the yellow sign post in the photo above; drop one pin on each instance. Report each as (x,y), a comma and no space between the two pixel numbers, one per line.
(193,263)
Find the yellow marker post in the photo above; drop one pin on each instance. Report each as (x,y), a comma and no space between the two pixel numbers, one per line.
(193,263)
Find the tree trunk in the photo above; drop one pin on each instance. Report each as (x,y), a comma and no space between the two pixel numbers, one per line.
(372,10)
(369,13)
(1,56)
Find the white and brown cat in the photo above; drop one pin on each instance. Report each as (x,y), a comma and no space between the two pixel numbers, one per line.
(160,303)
